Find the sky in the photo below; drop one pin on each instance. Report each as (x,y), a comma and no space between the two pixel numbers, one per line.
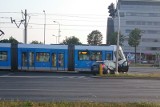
(76,18)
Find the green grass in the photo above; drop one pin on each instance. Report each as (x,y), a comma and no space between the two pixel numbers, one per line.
(74,104)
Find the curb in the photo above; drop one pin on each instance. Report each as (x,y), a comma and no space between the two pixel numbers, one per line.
(145,78)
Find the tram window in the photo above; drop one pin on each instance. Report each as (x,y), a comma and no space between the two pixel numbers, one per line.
(120,55)
(24,59)
(31,59)
(61,60)
(83,55)
(96,56)
(108,56)
(53,60)
(3,56)
(42,57)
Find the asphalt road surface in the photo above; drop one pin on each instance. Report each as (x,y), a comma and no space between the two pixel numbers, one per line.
(142,70)
(27,86)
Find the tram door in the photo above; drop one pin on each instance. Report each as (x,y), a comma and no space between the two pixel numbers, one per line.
(27,62)
(108,56)
(54,61)
(58,62)
(61,61)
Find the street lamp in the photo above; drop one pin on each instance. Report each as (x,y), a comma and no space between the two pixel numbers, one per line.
(117,50)
(44,25)
(141,50)
(59,31)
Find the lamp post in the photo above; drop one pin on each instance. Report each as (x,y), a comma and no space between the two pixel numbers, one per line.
(141,50)
(44,25)
(117,50)
(59,31)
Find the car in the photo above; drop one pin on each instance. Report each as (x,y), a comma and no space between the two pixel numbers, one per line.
(108,66)
(124,67)
(144,62)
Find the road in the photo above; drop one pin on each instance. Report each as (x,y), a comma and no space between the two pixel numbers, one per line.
(145,70)
(27,86)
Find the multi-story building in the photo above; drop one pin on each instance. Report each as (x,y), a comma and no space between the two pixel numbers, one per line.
(144,15)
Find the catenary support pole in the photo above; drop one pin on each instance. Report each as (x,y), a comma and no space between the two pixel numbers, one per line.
(25,27)
(117,50)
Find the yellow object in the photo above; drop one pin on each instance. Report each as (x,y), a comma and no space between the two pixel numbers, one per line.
(100,69)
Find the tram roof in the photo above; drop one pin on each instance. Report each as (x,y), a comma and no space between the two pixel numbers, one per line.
(40,46)
(110,47)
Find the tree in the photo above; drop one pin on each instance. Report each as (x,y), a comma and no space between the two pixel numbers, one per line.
(134,39)
(112,10)
(10,40)
(13,40)
(4,41)
(95,38)
(71,41)
(113,39)
(36,42)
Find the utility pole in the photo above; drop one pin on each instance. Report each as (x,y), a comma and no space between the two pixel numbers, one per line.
(24,21)
(117,50)
(44,25)
(25,27)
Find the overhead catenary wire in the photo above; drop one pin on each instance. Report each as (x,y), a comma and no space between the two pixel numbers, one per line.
(79,17)
(69,22)
(93,16)
(31,28)
(72,15)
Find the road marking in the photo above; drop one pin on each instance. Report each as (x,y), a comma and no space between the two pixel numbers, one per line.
(58,77)
(7,74)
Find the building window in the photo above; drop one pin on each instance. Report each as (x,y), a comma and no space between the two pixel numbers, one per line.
(153,32)
(128,30)
(121,14)
(3,56)
(143,14)
(154,48)
(130,22)
(42,57)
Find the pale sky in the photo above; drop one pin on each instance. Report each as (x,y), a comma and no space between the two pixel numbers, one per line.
(76,17)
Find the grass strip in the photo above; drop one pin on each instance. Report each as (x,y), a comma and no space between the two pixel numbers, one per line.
(75,104)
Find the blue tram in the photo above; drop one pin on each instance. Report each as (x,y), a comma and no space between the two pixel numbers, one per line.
(39,57)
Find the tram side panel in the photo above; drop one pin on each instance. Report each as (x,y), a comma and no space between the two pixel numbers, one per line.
(5,56)
(42,57)
(61,58)
(85,56)
(26,58)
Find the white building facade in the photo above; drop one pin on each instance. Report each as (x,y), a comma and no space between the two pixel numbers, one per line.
(144,15)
